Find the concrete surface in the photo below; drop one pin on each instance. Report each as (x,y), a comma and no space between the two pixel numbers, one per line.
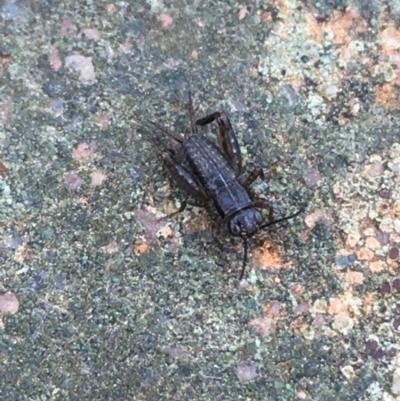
(100,300)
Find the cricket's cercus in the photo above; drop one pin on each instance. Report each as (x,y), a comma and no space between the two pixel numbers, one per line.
(215,175)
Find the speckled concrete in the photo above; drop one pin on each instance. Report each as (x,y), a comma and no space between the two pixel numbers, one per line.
(100,300)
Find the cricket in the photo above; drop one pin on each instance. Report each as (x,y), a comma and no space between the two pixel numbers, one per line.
(214,175)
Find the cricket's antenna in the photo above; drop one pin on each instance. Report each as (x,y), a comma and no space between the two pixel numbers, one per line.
(245,248)
(191,114)
(270,223)
(169,133)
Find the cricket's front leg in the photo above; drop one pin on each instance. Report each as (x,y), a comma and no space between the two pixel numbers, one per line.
(185,180)
(227,138)
(262,203)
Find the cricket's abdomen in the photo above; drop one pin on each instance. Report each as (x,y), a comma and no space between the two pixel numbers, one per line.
(216,174)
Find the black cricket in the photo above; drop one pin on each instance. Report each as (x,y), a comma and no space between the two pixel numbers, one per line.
(216,175)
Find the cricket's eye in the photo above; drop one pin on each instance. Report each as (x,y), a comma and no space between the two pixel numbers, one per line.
(234,228)
(258,217)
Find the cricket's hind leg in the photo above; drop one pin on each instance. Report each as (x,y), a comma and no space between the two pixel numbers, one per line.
(247,179)
(186,181)
(227,138)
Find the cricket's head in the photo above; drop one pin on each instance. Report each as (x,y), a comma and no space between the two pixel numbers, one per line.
(245,223)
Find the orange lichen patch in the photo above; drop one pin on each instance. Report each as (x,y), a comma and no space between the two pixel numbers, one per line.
(355,277)
(372,243)
(3,168)
(166,20)
(264,325)
(395,209)
(369,302)
(352,239)
(319,306)
(336,306)
(296,80)
(348,372)
(200,222)
(389,39)
(341,24)
(342,120)
(166,232)
(343,323)
(313,218)
(377,266)
(374,170)
(347,52)
(283,8)
(140,246)
(5,60)
(111,8)
(393,266)
(282,28)
(298,289)
(387,95)
(315,29)
(386,225)
(23,254)
(345,304)
(85,203)
(366,226)
(268,257)
(382,207)
(299,323)
(364,254)
(264,15)
(344,252)
(169,208)
(307,331)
